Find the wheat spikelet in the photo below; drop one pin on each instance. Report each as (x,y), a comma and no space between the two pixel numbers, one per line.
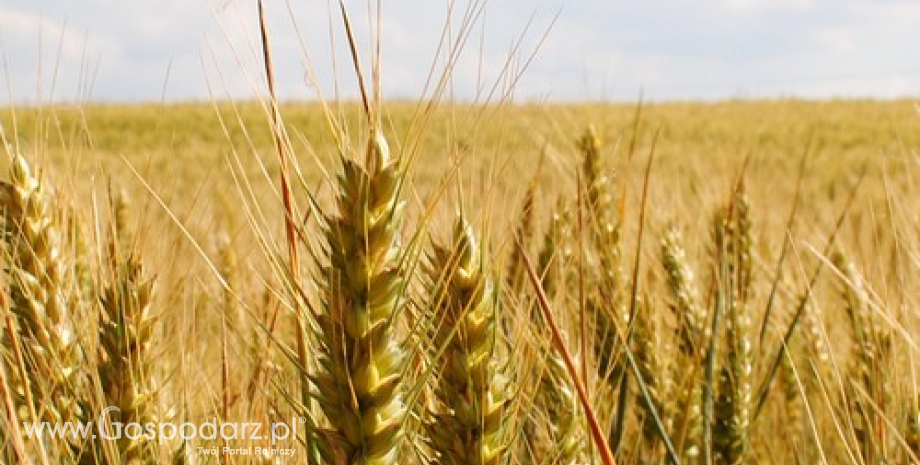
(42,296)
(360,361)
(468,428)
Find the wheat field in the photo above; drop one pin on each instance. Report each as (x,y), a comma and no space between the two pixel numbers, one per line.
(396,282)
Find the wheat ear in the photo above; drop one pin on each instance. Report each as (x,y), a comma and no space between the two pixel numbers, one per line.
(517,277)
(566,439)
(606,225)
(651,352)
(565,419)
(733,403)
(692,333)
(870,393)
(42,295)
(467,429)
(360,360)
(794,403)
(125,337)
(556,252)
(604,306)
(682,287)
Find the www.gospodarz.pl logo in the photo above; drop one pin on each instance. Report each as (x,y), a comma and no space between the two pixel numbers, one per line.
(163,432)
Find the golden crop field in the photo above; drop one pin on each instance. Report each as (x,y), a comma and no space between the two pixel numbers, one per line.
(697,283)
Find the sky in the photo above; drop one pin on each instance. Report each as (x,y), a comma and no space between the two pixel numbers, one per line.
(529,50)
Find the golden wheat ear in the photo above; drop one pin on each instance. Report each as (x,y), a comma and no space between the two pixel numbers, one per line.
(869,393)
(361,361)
(556,252)
(604,221)
(126,330)
(471,391)
(734,401)
(47,381)
(516,277)
(692,335)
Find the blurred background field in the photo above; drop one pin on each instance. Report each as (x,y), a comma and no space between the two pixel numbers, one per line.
(184,150)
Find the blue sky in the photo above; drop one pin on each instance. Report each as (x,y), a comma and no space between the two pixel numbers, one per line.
(146,50)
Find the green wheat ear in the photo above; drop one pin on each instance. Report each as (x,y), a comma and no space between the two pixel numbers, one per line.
(360,360)
(468,427)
